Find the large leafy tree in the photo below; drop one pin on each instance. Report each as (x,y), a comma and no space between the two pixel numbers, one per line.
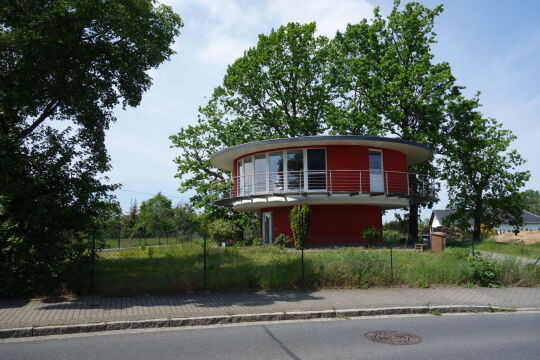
(64,66)
(184,219)
(481,170)
(531,201)
(156,216)
(276,89)
(387,83)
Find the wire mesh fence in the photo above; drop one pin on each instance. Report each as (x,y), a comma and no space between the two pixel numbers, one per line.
(197,263)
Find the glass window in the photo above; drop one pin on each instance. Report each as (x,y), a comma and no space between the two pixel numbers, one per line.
(248,176)
(375,160)
(316,162)
(260,173)
(295,169)
(240,178)
(376,181)
(275,168)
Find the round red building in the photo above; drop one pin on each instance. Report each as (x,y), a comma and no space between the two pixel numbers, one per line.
(347,181)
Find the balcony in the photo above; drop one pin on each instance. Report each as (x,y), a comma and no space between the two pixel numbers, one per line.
(355,184)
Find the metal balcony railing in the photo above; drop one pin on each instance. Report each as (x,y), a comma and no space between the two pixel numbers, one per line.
(416,187)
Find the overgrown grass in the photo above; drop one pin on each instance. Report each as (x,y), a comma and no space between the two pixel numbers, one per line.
(180,268)
(530,250)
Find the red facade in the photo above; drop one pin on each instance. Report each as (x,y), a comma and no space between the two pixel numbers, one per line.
(331,224)
(348,168)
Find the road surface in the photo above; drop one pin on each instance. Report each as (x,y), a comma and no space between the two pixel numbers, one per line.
(472,336)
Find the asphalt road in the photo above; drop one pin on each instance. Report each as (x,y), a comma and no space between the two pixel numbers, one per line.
(478,336)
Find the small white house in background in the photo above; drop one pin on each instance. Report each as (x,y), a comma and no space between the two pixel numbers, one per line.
(530,221)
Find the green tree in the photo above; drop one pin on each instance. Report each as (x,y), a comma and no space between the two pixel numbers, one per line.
(531,201)
(129,221)
(387,83)
(276,89)
(156,216)
(184,219)
(68,62)
(481,170)
(223,231)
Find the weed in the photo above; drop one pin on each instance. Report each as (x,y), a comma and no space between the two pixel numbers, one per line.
(485,272)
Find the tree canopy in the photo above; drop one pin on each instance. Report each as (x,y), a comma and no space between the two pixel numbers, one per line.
(481,170)
(531,201)
(276,89)
(64,66)
(387,82)
(156,216)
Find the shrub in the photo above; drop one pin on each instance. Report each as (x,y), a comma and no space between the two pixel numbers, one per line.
(222,230)
(257,241)
(299,218)
(485,272)
(371,234)
(391,236)
(242,242)
(282,241)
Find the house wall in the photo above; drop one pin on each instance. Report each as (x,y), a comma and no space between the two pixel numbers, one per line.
(331,224)
(354,157)
(436,222)
(508,228)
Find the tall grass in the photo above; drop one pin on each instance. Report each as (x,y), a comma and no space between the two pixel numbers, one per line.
(180,268)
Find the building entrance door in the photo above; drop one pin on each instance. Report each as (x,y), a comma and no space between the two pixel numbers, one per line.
(267,228)
(376,179)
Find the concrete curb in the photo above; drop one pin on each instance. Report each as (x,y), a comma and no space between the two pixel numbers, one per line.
(234,319)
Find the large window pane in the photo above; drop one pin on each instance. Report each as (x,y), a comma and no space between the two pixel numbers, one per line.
(240,179)
(376,181)
(316,162)
(248,176)
(295,169)
(275,165)
(260,173)
(375,160)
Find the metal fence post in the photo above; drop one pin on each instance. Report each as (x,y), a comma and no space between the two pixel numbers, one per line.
(204,261)
(303,264)
(119,235)
(391,265)
(92,264)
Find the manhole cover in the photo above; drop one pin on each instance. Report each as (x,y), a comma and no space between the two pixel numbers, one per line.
(393,337)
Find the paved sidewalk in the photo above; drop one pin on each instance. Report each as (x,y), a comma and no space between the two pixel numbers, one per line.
(22,313)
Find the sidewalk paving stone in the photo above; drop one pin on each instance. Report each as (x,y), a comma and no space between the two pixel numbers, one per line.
(19,313)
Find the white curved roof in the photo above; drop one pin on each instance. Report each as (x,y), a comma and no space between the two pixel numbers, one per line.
(415,152)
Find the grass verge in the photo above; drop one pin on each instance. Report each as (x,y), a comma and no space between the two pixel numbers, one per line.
(180,268)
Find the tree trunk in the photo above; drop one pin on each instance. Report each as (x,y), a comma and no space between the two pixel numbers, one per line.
(476,229)
(477,216)
(413,223)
